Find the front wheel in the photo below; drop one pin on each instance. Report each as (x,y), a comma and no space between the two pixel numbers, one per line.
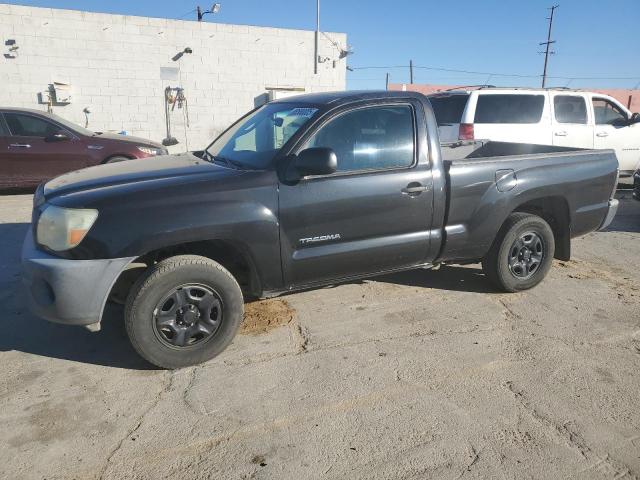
(521,254)
(183,311)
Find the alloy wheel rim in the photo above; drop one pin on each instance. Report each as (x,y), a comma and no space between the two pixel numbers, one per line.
(526,255)
(188,315)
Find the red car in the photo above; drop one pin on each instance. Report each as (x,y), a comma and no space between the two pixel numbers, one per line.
(36,146)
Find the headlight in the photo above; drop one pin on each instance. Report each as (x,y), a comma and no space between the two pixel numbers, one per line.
(150,150)
(64,228)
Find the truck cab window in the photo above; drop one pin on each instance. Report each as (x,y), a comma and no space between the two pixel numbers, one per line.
(370,138)
(570,109)
(608,113)
(28,126)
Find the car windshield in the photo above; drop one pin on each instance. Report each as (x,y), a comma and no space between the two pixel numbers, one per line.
(255,139)
(74,127)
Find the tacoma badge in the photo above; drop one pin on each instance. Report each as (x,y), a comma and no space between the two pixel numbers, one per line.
(321,238)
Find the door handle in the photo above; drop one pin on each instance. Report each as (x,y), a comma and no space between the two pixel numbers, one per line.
(414,188)
(560,134)
(602,134)
(19,145)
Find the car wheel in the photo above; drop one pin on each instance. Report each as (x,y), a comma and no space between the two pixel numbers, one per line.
(116,159)
(183,311)
(522,253)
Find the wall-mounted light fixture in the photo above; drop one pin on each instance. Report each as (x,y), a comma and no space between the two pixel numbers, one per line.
(215,8)
(179,55)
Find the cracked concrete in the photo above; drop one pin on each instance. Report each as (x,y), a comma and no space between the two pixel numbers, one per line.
(414,375)
(166,385)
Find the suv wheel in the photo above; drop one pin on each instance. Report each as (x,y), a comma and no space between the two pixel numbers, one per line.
(183,311)
(522,253)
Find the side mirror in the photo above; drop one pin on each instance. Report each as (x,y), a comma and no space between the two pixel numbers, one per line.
(635,118)
(316,161)
(59,136)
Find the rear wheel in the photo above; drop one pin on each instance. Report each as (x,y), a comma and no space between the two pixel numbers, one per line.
(183,311)
(522,253)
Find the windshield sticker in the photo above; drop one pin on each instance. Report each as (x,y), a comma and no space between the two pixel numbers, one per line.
(303,112)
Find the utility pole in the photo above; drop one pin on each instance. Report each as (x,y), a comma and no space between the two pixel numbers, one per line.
(411,72)
(317,44)
(386,87)
(548,45)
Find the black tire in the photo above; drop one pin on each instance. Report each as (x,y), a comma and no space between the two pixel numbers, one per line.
(502,265)
(154,287)
(116,159)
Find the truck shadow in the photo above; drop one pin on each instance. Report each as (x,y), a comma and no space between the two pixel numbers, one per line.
(628,217)
(26,333)
(448,277)
(625,223)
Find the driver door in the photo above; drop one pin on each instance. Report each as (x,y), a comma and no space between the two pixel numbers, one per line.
(373,214)
(32,154)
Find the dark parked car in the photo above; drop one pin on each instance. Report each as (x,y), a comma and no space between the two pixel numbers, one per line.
(299,193)
(636,185)
(36,146)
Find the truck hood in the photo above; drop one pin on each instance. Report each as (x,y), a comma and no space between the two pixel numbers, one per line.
(135,171)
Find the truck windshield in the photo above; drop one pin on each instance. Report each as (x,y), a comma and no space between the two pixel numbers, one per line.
(255,139)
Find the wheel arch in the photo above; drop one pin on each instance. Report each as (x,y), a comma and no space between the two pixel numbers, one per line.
(555,211)
(116,155)
(233,256)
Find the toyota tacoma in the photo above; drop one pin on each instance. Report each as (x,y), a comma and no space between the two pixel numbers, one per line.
(299,193)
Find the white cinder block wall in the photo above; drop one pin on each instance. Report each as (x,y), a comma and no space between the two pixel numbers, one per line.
(113,64)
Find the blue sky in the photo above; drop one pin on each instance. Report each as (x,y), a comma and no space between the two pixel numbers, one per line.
(595,38)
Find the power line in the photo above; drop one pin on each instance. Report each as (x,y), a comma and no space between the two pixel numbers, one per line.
(190,12)
(492,74)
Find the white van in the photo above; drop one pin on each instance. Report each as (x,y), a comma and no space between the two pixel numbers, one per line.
(546,117)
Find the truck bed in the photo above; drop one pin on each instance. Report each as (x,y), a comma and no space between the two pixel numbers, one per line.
(487,179)
(485,148)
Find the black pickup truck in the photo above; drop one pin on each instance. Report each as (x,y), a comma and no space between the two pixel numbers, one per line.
(303,192)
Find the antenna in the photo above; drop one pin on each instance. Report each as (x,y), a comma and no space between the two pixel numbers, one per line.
(548,43)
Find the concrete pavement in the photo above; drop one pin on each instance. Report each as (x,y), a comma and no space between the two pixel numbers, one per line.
(425,374)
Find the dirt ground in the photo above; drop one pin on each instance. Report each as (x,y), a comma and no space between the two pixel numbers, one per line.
(425,374)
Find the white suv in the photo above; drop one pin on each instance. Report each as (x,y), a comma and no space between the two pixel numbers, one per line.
(546,117)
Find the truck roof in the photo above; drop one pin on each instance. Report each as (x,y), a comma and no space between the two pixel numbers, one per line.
(337,98)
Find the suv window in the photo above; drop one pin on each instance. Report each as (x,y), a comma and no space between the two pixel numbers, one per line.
(509,108)
(29,126)
(570,109)
(607,113)
(449,108)
(369,138)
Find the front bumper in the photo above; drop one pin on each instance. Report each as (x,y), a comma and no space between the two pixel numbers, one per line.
(611,213)
(72,292)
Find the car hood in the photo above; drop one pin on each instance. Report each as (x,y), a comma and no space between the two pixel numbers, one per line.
(183,166)
(127,139)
